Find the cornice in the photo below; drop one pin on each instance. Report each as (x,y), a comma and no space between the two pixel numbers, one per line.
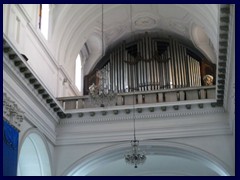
(158,125)
(23,85)
(44,122)
(143,115)
(18,65)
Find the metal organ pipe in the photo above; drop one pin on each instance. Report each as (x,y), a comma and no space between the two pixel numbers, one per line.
(139,68)
(190,71)
(148,62)
(157,73)
(153,66)
(163,73)
(119,69)
(143,67)
(156,65)
(114,71)
(125,72)
(181,66)
(170,69)
(150,70)
(145,70)
(199,75)
(175,65)
(170,50)
(194,73)
(183,55)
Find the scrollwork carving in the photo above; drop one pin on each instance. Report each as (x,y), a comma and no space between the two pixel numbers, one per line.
(11,112)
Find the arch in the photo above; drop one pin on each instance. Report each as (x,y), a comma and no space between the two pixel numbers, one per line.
(90,162)
(203,42)
(78,73)
(81,21)
(34,155)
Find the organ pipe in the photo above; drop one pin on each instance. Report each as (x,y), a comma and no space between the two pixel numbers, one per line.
(151,64)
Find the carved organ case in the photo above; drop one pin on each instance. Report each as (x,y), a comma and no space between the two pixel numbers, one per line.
(149,64)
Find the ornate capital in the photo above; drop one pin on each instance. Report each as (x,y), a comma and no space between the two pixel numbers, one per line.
(11,112)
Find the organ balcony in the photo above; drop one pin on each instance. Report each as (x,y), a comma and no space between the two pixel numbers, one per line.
(170,77)
(150,72)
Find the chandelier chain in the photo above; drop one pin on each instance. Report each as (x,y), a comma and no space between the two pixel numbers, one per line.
(134,117)
(135,156)
(100,93)
(102,34)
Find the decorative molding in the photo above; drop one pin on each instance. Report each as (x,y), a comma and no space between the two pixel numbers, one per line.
(16,86)
(145,22)
(17,64)
(43,123)
(226,51)
(12,113)
(144,115)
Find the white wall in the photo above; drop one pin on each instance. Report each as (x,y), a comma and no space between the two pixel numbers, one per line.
(20,25)
(222,147)
(65,156)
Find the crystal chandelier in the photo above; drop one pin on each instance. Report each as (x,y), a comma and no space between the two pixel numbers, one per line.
(135,156)
(101,94)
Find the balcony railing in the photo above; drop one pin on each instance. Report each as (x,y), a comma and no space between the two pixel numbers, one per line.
(168,97)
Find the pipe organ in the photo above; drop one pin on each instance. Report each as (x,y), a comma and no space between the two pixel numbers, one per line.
(150,64)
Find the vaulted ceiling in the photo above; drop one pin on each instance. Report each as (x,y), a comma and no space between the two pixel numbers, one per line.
(74,25)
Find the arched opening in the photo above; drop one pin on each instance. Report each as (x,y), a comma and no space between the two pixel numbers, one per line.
(163,159)
(152,62)
(33,157)
(78,73)
(44,19)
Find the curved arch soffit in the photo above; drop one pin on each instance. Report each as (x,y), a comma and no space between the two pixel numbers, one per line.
(76,37)
(33,145)
(203,43)
(98,158)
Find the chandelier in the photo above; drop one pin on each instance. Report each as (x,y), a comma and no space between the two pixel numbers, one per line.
(135,156)
(100,93)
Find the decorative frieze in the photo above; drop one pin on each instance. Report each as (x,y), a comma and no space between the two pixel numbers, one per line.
(11,112)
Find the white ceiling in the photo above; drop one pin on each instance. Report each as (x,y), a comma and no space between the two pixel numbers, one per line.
(77,24)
